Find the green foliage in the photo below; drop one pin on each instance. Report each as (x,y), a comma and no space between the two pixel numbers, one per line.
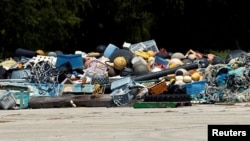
(221,53)
(134,19)
(82,24)
(39,24)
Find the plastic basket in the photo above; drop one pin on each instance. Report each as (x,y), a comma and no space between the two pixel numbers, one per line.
(22,99)
(121,96)
(121,82)
(148,45)
(96,67)
(7,101)
(195,88)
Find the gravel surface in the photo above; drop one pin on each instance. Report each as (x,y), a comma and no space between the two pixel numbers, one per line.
(186,123)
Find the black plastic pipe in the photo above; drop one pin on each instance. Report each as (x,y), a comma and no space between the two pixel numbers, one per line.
(154,75)
(24,52)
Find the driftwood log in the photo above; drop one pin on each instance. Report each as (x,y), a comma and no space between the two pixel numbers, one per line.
(70,100)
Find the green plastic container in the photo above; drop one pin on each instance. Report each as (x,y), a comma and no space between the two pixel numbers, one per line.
(22,99)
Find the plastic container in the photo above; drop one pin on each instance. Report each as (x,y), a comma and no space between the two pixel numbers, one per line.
(88,88)
(195,88)
(77,87)
(137,47)
(110,49)
(121,96)
(97,67)
(45,89)
(85,88)
(22,99)
(75,60)
(116,84)
(160,61)
(20,74)
(7,101)
(146,45)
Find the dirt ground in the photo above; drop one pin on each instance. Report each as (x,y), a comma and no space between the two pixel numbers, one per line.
(186,123)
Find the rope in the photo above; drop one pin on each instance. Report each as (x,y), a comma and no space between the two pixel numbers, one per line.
(44,73)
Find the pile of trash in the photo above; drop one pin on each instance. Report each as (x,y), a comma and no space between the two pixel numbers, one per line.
(140,71)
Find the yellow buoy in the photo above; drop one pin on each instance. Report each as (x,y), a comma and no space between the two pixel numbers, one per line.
(120,63)
(196,76)
(40,52)
(187,79)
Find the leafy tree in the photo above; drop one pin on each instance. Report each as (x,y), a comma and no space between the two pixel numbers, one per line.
(176,25)
(39,24)
(134,19)
(116,21)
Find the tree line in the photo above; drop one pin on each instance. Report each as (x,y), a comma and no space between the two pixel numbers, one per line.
(70,25)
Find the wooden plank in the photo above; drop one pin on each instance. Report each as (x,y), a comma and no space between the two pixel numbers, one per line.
(161,104)
(103,100)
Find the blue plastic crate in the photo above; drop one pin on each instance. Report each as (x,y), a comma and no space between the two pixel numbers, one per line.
(195,88)
(45,89)
(75,60)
